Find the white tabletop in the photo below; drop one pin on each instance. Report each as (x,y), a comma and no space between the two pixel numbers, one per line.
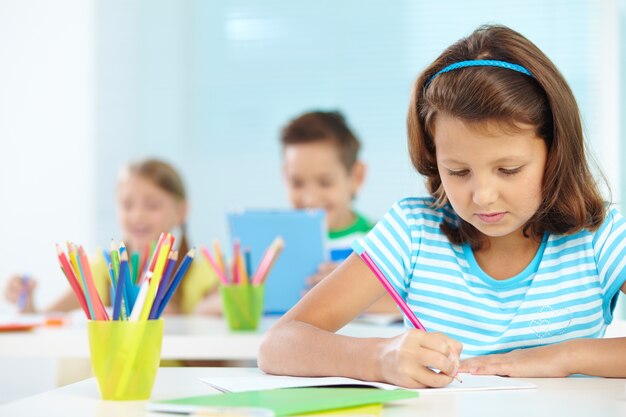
(570,397)
(185,337)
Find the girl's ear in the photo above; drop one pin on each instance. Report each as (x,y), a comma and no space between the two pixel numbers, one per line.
(357,176)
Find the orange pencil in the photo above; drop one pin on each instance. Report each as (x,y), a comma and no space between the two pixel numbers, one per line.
(219,272)
(218,255)
(243,273)
(96,301)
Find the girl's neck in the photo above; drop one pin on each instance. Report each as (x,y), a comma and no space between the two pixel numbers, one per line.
(505,257)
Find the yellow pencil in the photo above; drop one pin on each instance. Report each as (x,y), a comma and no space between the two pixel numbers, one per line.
(161,259)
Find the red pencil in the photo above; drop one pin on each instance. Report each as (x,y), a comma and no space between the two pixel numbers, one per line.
(71,277)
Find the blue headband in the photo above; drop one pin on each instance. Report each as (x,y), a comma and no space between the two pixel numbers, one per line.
(482,63)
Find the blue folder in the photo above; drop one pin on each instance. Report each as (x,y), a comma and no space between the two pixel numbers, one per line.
(304,234)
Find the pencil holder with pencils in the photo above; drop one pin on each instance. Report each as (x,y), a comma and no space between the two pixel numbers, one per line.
(125,342)
(243,289)
(243,305)
(125,357)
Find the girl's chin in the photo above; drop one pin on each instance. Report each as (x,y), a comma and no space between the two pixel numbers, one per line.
(138,244)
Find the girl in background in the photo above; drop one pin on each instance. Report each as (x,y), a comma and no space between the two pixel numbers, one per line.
(151,199)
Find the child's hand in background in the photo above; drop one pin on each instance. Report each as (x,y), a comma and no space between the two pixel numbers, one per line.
(19,291)
(540,362)
(408,358)
(322,272)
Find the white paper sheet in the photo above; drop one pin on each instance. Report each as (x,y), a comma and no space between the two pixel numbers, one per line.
(259,381)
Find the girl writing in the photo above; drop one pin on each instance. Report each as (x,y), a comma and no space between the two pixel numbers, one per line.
(513,263)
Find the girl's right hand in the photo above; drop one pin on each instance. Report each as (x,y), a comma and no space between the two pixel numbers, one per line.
(407,360)
(20,292)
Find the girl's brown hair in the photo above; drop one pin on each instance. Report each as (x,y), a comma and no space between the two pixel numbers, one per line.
(477,95)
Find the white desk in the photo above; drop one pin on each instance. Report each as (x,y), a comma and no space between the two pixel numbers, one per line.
(60,355)
(185,337)
(571,397)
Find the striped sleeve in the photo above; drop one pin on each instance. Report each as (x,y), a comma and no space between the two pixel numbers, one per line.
(390,245)
(609,247)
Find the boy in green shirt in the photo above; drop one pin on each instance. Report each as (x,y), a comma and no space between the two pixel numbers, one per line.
(322,170)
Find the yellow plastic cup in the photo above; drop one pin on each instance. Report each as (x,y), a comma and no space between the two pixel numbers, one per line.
(125,357)
(243,305)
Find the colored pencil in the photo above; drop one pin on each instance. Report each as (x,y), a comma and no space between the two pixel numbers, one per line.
(392,292)
(71,278)
(235,266)
(115,261)
(396,297)
(119,289)
(248,261)
(178,276)
(268,260)
(219,272)
(241,265)
(79,273)
(23,298)
(157,273)
(218,256)
(107,260)
(96,301)
(134,261)
(164,284)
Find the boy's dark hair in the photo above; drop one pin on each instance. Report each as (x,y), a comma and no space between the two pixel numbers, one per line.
(571,200)
(318,126)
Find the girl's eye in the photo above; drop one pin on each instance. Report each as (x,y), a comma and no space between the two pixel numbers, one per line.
(459,173)
(510,171)
(297,183)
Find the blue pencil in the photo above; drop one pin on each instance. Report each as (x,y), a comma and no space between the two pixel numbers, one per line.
(122,279)
(21,302)
(164,284)
(128,281)
(111,272)
(178,276)
(248,260)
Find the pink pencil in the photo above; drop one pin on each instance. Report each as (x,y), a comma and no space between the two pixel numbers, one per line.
(392,291)
(236,254)
(396,297)
(267,261)
(218,271)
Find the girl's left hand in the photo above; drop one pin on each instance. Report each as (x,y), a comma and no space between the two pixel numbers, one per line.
(544,361)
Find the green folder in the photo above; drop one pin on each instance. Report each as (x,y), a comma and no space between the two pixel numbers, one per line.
(286,401)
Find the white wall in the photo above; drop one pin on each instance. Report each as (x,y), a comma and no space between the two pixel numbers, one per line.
(47,125)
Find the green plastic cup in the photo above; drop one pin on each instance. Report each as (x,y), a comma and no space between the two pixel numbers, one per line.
(243,305)
(125,357)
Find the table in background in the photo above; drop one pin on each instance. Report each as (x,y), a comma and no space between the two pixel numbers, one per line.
(571,397)
(185,337)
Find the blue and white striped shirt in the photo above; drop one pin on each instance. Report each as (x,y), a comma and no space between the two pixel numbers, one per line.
(568,290)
